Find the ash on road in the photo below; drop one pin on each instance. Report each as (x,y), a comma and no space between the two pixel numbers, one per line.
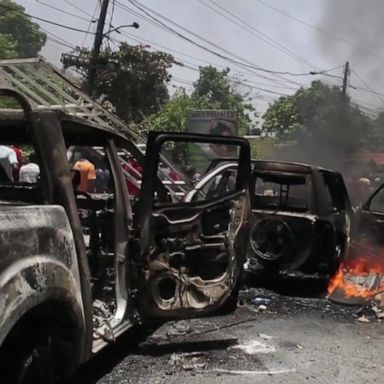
(270,338)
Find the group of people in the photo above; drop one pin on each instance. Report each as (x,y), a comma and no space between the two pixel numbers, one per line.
(95,175)
(361,188)
(17,166)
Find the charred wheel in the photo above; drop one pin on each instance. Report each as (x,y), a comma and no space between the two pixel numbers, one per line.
(271,241)
(29,358)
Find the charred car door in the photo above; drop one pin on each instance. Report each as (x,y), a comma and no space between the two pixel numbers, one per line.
(370,220)
(188,264)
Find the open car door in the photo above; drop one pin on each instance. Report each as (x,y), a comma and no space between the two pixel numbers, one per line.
(191,253)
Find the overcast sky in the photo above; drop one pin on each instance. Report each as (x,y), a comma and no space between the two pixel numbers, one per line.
(296,36)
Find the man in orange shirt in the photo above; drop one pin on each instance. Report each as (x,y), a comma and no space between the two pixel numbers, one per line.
(87,175)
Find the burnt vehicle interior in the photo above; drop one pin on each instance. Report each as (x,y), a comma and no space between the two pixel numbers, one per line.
(370,219)
(281,191)
(94,189)
(189,248)
(106,218)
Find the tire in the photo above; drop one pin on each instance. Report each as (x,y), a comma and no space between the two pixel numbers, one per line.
(29,358)
(267,232)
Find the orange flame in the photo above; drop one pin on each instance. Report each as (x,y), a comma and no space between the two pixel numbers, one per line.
(361,273)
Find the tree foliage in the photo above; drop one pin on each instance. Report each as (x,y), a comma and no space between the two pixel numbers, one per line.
(320,121)
(212,90)
(19,36)
(133,79)
(218,91)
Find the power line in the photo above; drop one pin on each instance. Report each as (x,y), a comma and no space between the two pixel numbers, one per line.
(50,35)
(248,73)
(368,89)
(250,84)
(90,24)
(234,19)
(332,35)
(251,65)
(141,40)
(78,8)
(41,19)
(242,63)
(57,41)
(167,30)
(64,12)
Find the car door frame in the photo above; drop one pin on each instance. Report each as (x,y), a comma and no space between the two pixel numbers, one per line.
(147,207)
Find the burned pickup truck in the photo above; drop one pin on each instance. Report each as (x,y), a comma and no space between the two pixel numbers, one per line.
(300,213)
(79,266)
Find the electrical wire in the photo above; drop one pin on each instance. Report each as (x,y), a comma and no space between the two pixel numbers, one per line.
(64,44)
(64,12)
(78,8)
(234,19)
(50,36)
(368,87)
(41,19)
(111,17)
(247,69)
(141,40)
(239,60)
(331,35)
(90,24)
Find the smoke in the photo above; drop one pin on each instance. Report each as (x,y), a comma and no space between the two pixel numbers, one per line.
(356,31)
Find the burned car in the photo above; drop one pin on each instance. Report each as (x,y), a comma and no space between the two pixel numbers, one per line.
(80,266)
(369,221)
(300,213)
(301,216)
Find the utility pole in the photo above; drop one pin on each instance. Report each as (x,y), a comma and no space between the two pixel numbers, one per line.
(347,72)
(96,46)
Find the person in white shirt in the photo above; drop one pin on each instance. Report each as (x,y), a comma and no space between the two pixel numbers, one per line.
(30,172)
(8,160)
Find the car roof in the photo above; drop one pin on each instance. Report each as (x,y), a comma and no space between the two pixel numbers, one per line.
(277,166)
(286,166)
(10,118)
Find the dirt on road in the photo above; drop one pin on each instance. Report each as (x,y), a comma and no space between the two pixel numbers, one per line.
(271,338)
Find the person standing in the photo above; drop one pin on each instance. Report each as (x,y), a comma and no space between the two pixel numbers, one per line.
(87,175)
(20,161)
(8,161)
(29,172)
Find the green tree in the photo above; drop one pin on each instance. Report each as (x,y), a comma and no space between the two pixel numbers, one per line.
(218,91)
(19,36)
(133,79)
(322,124)
(213,90)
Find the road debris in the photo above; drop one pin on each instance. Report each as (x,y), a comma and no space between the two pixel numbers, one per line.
(188,361)
(261,301)
(254,347)
(265,337)
(240,372)
(363,319)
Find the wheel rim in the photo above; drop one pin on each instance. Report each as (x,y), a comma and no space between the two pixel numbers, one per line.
(271,239)
(37,367)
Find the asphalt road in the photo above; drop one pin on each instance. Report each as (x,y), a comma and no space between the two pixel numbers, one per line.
(287,340)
